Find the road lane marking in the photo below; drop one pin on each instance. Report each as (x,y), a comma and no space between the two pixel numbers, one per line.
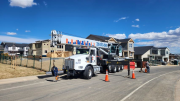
(20,86)
(143,85)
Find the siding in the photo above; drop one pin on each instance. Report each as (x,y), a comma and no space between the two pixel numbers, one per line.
(145,55)
(6,49)
(131,48)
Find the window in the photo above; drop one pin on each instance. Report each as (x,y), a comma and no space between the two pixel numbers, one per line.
(82,51)
(130,53)
(154,52)
(113,49)
(45,51)
(130,45)
(166,52)
(92,53)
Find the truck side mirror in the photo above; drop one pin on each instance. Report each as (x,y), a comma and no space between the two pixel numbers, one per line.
(87,58)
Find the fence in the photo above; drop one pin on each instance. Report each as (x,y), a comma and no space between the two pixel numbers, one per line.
(37,62)
(155,63)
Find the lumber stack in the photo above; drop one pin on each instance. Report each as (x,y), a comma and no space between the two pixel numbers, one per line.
(59,54)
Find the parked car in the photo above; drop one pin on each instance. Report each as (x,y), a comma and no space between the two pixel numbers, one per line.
(162,62)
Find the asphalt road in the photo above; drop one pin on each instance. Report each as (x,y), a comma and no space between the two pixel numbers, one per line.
(159,85)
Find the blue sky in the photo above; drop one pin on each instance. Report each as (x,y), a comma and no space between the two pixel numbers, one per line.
(147,22)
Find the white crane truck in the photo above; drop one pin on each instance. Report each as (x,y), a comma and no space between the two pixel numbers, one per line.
(98,57)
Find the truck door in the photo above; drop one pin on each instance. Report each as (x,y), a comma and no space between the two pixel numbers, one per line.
(93,55)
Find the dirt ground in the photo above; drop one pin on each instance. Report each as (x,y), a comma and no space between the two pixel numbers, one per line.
(7,72)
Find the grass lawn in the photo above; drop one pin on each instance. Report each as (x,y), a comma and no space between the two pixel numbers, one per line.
(7,72)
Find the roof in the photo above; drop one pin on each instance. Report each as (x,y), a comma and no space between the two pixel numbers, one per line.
(42,41)
(107,38)
(141,50)
(99,37)
(123,40)
(159,47)
(9,44)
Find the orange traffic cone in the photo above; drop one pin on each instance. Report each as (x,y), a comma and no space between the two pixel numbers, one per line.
(106,77)
(145,70)
(133,75)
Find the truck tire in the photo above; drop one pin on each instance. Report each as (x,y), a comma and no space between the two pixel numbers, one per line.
(114,69)
(88,72)
(118,68)
(64,71)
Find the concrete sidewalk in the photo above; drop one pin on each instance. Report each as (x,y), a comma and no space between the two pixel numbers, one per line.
(26,78)
(18,79)
(177,91)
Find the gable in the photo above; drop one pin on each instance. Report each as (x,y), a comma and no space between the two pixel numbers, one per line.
(112,39)
(131,40)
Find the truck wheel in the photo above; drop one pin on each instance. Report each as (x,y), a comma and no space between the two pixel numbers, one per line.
(118,68)
(122,67)
(114,69)
(88,72)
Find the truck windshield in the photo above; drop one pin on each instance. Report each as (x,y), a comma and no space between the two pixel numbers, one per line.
(82,51)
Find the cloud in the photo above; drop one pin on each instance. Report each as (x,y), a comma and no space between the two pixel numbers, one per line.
(11,33)
(27,31)
(170,39)
(157,35)
(135,26)
(117,36)
(22,3)
(45,3)
(17,40)
(137,19)
(17,29)
(122,18)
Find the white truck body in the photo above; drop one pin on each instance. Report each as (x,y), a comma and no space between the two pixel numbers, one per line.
(85,63)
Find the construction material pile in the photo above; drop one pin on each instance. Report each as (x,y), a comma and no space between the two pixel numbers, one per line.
(59,54)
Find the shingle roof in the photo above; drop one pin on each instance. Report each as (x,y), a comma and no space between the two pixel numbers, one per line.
(9,44)
(107,38)
(123,40)
(101,37)
(141,50)
(159,47)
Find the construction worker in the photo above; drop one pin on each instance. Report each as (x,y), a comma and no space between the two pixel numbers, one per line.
(147,66)
(55,70)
